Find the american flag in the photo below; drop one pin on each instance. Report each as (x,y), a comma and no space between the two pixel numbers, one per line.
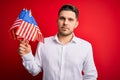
(25,27)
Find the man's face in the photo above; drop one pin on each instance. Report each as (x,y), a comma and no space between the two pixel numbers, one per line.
(67,22)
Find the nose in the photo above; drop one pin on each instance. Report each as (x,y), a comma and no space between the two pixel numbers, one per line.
(65,22)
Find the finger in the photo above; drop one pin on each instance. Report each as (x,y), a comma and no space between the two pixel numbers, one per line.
(23,46)
(28,45)
(23,42)
(27,41)
(21,52)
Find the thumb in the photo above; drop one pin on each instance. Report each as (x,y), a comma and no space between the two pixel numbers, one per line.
(26,41)
(27,44)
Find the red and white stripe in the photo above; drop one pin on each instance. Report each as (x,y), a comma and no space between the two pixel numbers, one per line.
(27,30)
(16,23)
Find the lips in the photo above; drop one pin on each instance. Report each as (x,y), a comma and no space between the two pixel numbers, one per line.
(64,28)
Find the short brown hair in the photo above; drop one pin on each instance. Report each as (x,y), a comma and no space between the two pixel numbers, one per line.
(69,7)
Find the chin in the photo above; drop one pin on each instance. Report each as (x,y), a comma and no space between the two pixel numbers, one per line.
(65,34)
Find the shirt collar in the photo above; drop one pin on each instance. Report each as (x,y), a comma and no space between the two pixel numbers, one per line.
(74,39)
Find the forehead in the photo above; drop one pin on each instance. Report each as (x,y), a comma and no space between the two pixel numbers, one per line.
(67,14)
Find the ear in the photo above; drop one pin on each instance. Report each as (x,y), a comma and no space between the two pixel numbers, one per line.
(77,23)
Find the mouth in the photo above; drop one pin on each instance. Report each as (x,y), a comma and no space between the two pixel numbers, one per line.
(64,28)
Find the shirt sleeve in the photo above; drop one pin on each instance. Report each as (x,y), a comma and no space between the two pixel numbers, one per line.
(31,63)
(89,69)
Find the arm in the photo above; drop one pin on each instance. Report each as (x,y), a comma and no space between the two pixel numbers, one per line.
(89,69)
(31,63)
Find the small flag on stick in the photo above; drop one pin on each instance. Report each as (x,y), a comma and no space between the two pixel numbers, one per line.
(25,27)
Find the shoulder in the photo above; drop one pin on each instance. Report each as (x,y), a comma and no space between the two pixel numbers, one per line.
(83,42)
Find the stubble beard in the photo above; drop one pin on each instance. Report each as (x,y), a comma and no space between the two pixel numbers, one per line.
(65,34)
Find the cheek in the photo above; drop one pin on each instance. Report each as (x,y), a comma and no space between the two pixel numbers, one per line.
(59,23)
(73,26)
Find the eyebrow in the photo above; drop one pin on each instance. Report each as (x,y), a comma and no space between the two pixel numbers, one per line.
(68,17)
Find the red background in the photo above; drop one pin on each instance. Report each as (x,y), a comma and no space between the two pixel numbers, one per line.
(99,24)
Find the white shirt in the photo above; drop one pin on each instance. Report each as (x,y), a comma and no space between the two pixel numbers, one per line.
(62,62)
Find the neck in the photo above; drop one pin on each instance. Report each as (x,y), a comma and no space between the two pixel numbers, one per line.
(65,39)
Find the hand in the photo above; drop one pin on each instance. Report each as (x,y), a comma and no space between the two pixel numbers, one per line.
(24,47)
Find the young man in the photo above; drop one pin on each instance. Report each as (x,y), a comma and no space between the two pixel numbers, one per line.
(63,56)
